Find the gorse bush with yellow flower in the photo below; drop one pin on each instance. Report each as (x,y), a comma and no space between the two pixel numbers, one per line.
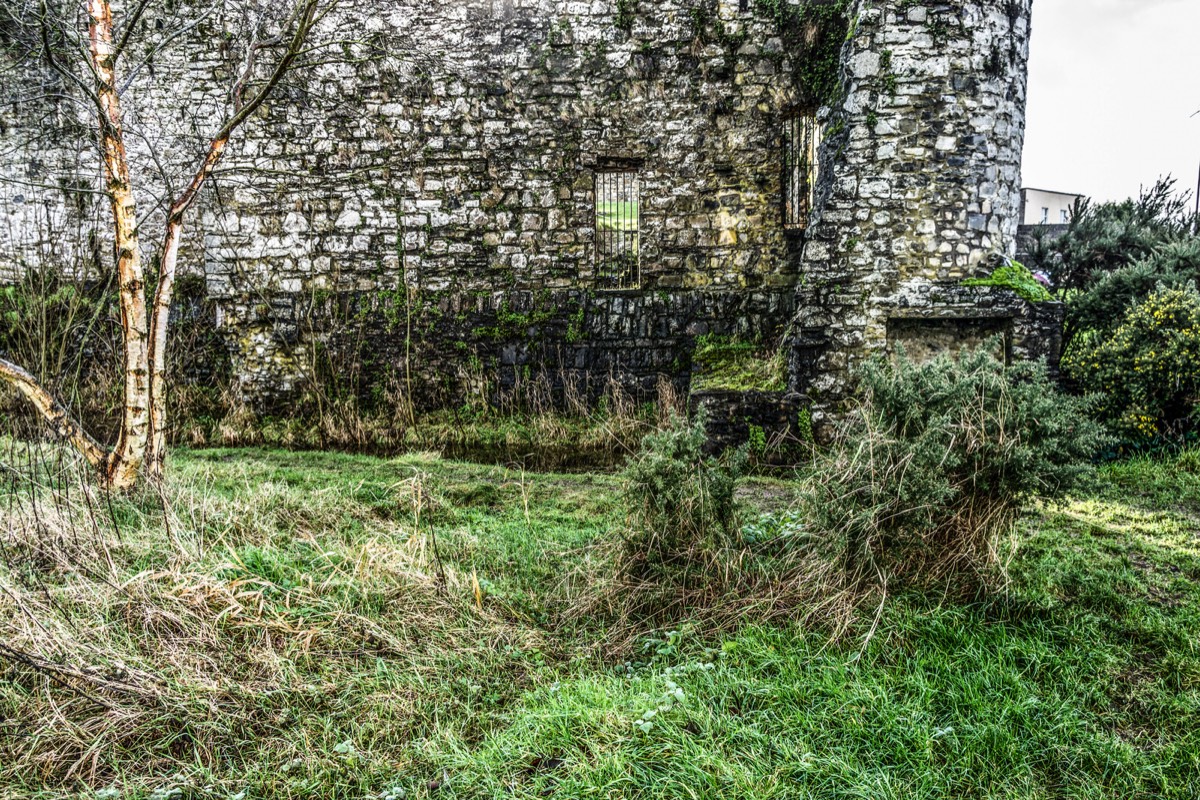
(1147,370)
(1128,275)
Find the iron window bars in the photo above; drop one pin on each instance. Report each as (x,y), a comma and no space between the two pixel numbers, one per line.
(801,138)
(618,230)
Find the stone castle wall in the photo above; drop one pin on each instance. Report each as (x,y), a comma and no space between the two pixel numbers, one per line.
(924,191)
(470,198)
(426,199)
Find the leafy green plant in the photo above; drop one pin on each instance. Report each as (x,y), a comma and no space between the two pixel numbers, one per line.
(680,499)
(626,11)
(927,476)
(1148,369)
(1016,276)
(772,527)
(757,441)
(1102,305)
(804,426)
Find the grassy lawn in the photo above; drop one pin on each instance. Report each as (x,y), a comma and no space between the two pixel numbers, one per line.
(617,215)
(291,632)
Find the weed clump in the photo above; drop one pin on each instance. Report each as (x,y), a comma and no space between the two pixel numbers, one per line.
(926,478)
(680,499)
(686,553)
(678,549)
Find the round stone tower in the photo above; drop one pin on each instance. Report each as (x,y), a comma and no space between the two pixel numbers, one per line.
(919,188)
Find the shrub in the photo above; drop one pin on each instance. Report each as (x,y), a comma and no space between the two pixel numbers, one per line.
(680,501)
(684,554)
(1148,369)
(1016,276)
(65,331)
(926,478)
(1102,305)
(1103,237)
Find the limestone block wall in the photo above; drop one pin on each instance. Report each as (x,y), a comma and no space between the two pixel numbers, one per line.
(923,187)
(426,194)
(473,172)
(450,152)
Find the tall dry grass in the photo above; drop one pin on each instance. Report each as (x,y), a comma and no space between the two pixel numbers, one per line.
(682,552)
(143,631)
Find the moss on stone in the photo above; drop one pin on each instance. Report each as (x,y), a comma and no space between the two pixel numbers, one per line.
(726,363)
(816,60)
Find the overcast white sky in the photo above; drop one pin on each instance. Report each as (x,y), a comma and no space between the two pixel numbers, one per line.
(1112,87)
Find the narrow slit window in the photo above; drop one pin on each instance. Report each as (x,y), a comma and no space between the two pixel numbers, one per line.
(618,230)
(801,138)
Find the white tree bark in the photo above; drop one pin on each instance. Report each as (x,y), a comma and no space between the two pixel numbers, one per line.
(124,462)
(142,437)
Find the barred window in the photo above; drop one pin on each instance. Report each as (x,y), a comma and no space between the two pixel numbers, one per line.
(618,230)
(801,138)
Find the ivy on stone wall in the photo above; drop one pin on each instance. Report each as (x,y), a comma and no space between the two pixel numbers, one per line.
(812,32)
(816,58)
(626,9)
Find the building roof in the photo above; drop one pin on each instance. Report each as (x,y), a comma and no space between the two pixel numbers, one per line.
(1051,191)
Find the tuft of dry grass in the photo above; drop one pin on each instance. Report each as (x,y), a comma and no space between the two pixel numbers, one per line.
(116,647)
(718,590)
(683,553)
(872,495)
(542,422)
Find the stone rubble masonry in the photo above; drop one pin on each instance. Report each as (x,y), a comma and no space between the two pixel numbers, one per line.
(426,202)
(923,164)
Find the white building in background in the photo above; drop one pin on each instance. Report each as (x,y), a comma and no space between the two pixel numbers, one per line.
(1043,207)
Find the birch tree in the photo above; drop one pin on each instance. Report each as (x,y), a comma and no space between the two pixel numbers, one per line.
(71,35)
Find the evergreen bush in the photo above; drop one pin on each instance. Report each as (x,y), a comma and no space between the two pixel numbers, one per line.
(1148,369)
(1103,237)
(680,501)
(926,478)
(1101,307)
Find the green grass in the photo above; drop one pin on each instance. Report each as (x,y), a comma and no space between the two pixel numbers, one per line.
(617,216)
(722,363)
(290,638)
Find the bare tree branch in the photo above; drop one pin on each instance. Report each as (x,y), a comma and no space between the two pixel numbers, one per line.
(164,293)
(144,325)
(135,17)
(56,415)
